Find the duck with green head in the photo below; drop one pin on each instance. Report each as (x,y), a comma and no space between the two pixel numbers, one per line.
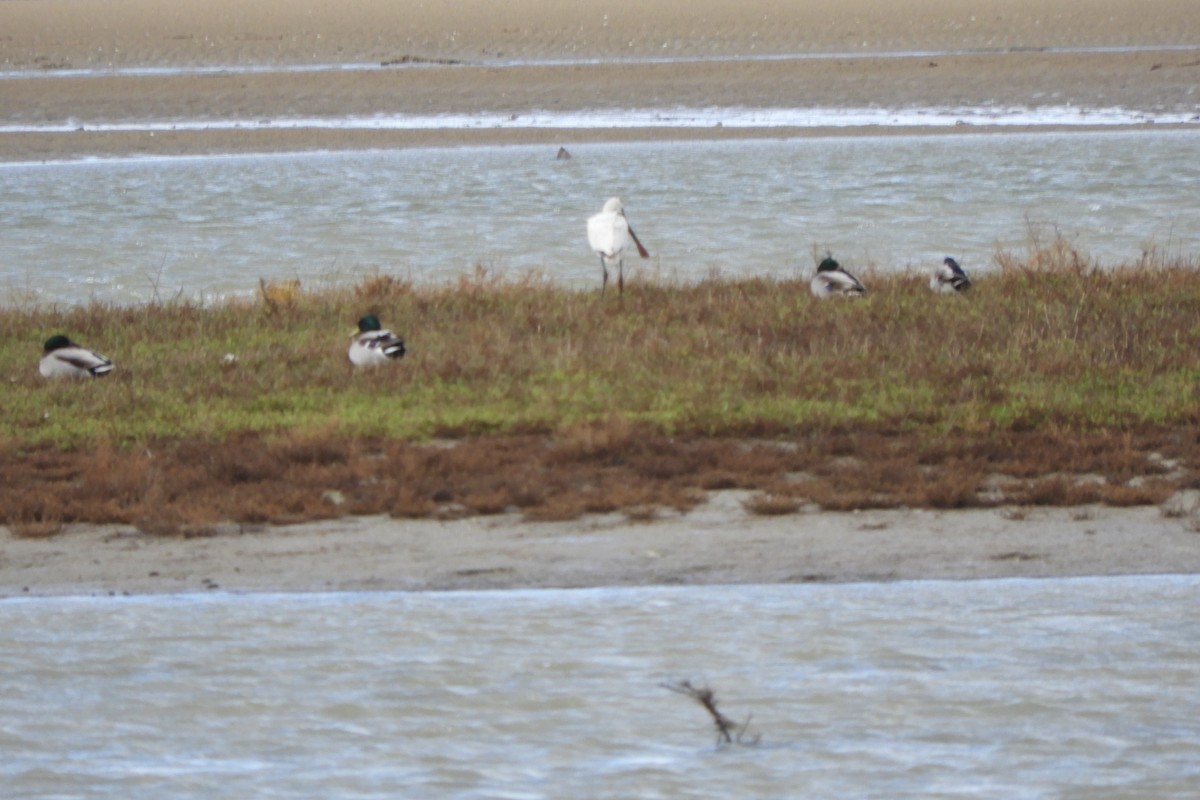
(832,280)
(949,278)
(62,358)
(374,344)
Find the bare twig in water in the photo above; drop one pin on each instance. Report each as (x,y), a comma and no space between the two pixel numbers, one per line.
(728,731)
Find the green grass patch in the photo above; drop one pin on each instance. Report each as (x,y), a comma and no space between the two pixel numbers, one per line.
(1068,347)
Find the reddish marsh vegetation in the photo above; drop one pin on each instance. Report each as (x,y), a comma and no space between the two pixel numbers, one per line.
(192,486)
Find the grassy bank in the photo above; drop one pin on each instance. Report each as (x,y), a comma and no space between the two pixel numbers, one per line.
(1035,360)
(1108,348)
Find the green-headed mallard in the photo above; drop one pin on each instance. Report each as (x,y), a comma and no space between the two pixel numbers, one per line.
(833,281)
(948,277)
(62,358)
(374,344)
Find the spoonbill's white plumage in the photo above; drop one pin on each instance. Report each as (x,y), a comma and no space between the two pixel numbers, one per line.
(610,236)
(62,358)
(833,281)
(374,344)
(948,277)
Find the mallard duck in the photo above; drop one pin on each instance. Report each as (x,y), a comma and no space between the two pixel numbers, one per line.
(374,344)
(610,236)
(949,277)
(833,281)
(62,358)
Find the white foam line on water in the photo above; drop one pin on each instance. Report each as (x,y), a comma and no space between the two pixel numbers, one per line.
(516,63)
(651,118)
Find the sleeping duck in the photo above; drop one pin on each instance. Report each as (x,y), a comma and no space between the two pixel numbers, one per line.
(833,281)
(949,277)
(373,344)
(62,358)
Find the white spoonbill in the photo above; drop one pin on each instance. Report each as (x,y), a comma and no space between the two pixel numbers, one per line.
(949,277)
(62,358)
(833,281)
(374,344)
(610,236)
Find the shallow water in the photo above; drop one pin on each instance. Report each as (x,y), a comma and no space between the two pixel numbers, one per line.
(35,73)
(992,689)
(675,118)
(124,230)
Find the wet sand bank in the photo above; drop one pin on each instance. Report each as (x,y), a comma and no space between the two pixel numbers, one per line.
(69,65)
(717,543)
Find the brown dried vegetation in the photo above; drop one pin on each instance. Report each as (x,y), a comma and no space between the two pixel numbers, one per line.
(190,487)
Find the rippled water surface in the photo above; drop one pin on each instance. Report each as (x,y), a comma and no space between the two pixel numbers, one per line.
(1080,688)
(124,230)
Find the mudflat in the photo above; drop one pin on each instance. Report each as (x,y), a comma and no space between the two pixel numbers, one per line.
(527,56)
(716,543)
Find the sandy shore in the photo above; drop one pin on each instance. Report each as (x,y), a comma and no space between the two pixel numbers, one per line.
(717,543)
(525,55)
(98,33)
(530,55)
